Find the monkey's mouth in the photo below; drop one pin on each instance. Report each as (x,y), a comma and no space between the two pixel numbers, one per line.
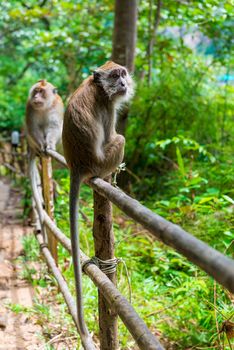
(122,90)
(38,103)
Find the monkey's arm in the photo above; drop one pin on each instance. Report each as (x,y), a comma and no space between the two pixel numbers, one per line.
(36,140)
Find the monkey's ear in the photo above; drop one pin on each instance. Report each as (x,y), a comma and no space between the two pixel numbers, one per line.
(55,91)
(96,77)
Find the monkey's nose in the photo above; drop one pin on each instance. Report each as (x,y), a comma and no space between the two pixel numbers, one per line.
(122,84)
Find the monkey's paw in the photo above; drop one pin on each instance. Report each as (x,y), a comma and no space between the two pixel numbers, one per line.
(121,167)
(41,152)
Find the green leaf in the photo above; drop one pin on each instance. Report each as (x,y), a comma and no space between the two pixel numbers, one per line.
(180,162)
(228,199)
(206,199)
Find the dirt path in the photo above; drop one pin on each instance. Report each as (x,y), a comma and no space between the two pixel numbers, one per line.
(17,331)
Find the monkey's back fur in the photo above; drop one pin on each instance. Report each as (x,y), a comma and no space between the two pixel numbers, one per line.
(83,133)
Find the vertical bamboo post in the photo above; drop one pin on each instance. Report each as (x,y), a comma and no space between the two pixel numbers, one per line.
(23,143)
(48,192)
(104,250)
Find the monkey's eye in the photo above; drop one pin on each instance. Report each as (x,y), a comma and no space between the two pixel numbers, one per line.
(123,73)
(115,76)
(38,91)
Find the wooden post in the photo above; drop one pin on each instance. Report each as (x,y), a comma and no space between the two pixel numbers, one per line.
(104,250)
(48,194)
(23,143)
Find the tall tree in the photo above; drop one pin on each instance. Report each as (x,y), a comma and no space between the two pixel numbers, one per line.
(124,41)
(153,27)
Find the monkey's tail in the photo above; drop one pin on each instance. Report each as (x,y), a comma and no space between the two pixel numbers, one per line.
(36,186)
(75,181)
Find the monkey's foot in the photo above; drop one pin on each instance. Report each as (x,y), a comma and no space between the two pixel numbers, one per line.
(121,167)
(41,153)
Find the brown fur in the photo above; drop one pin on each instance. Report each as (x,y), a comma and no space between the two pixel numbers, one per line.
(44,122)
(42,83)
(91,145)
(110,65)
(90,115)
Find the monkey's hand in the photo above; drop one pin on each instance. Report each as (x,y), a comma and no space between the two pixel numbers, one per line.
(121,167)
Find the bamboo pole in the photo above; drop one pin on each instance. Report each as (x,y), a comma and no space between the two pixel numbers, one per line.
(104,250)
(216,264)
(24,164)
(48,191)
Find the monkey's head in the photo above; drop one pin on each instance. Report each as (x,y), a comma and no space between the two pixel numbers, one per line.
(115,81)
(42,95)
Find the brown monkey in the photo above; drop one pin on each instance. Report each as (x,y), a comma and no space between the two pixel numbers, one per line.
(44,117)
(91,145)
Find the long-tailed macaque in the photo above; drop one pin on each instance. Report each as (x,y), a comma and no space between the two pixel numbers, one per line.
(91,145)
(44,117)
(43,122)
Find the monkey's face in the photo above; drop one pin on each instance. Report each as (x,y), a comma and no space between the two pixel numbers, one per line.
(117,83)
(42,97)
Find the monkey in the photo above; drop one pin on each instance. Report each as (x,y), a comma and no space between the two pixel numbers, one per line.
(92,147)
(43,124)
(44,117)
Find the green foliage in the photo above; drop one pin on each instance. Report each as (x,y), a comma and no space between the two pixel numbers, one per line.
(188,145)
(17,308)
(173,296)
(37,36)
(177,116)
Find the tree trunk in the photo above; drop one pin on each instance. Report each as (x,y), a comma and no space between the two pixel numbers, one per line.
(104,249)
(124,42)
(152,36)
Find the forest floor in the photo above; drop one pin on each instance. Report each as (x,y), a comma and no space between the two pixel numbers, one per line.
(17,330)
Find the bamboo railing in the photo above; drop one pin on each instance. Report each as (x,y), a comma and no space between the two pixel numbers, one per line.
(111,302)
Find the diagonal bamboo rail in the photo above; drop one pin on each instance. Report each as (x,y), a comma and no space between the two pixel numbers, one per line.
(214,263)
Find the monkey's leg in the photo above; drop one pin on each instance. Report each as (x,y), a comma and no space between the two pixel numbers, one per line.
(113,154)
(35,142)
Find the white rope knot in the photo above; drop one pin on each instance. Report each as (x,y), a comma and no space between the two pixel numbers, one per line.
(106,266)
